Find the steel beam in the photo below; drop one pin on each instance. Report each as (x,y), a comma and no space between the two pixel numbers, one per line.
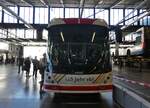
(48,14)
(115,3)
(28,2)
(18,13)
(33,15)
(2,16)
(11,2)
(82,2)
(14,14)
(45,3)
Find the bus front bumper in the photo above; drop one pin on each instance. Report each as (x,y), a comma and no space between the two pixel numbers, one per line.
(77,88)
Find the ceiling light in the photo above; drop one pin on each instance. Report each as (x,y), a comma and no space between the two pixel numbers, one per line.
(100,2)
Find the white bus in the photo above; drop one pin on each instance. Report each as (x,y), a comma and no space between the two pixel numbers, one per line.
(78,57)
(142,42)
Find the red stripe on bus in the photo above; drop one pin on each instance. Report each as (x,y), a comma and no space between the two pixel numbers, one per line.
(78,21)
(78,88)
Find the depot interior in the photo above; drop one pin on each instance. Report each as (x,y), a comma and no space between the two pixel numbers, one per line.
(23,32)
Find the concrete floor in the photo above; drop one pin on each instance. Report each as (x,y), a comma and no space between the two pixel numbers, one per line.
(134,74)
(17,91)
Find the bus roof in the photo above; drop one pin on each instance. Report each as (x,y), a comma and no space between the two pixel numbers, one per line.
(59,21)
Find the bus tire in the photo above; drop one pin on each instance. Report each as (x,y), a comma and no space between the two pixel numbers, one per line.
(128,53)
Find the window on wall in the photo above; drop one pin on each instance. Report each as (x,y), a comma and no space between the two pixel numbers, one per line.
(8,17)
(12,33)
(0,14)
(144,21)
(88,13)
(3,33)
(116,15)
(101,13)
(45,34)
(26,13)
(71,13)
(20,33)
(130,15)
(41,15)
(29,33)
(148,20)
(56,13)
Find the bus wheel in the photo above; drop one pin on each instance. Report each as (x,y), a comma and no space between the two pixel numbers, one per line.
(128,53)
(128,63)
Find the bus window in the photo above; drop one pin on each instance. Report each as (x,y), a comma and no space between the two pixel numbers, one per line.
(138,36)
(138,40)
(78,49)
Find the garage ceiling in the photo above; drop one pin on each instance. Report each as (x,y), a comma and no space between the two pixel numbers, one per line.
(79,3)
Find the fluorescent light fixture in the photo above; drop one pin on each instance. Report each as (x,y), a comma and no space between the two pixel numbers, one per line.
(62,2)
(43,2)
(93,37)
(100,2)
(62,37)
(28,25)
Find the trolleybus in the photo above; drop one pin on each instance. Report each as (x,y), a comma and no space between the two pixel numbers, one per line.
(78,56)
(142,46)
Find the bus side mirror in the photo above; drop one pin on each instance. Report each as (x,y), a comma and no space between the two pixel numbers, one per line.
(118,33)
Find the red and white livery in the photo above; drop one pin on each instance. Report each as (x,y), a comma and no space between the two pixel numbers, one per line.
(78,57)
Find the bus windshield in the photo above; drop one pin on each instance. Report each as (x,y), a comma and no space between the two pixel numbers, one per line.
(78,49)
